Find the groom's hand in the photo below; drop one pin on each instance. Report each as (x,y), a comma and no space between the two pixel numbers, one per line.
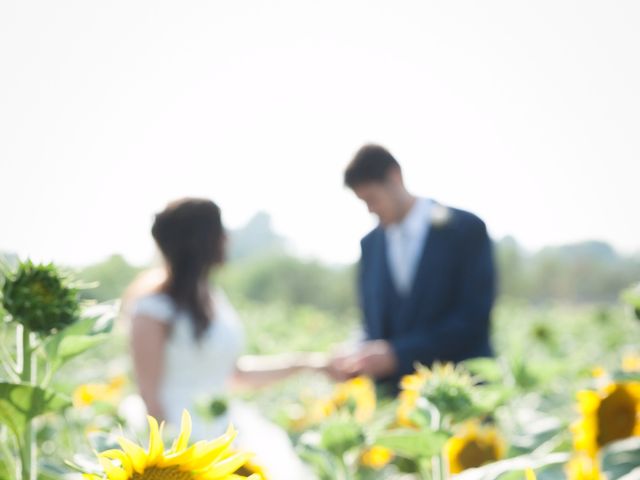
(342,367)
(376,359)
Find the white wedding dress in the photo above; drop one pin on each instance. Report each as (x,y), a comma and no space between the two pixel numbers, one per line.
(194,370)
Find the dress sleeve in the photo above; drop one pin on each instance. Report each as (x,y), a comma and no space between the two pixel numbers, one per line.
(156,306)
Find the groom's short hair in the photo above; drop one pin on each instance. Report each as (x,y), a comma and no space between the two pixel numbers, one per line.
(370,164)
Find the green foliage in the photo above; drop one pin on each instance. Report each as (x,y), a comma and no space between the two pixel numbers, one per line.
(586,272)
(300,328)
(110,277)
(40,298)
(76,339)
(413,444)
(632,297)
(622,458)
(546,352)
(19,404)
(339,435)
(287,280)
(256,238)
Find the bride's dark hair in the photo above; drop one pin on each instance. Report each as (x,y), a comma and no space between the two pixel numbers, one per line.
(190,235)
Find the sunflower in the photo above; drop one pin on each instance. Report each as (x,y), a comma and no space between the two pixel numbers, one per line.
(204,460)
(358,395)
(410,386)
(407,402)
(41,298)
(610,414)
(631,363)
(582,467)
(445,386)
(89,393)
(376,457)
(473,447)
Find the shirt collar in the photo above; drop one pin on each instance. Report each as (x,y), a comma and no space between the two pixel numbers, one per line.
(415,220)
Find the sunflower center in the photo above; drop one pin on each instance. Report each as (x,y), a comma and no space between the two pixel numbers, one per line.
(159,473)
(616,416)
(244,470)
(476,453)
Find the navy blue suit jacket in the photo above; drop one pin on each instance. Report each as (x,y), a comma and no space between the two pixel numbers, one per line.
(446,315)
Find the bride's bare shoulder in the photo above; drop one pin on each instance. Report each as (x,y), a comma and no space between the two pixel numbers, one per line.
(146,283)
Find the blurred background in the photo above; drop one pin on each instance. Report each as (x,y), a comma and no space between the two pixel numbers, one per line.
(525,113)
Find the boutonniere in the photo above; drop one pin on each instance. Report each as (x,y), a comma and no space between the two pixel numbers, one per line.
(440,215)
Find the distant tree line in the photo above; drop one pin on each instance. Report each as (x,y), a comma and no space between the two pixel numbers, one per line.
(585,272)
(262,271)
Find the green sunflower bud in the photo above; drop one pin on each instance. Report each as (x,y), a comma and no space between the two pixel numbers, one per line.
(341,435)
(40,298)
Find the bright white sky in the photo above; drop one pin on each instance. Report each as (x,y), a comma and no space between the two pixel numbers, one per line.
(525,112)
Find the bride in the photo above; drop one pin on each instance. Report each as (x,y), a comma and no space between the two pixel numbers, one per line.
(187,341)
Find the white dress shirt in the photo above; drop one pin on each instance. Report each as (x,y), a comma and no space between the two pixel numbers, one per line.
(405,243)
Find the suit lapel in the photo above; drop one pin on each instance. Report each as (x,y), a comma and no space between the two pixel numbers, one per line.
(379,284)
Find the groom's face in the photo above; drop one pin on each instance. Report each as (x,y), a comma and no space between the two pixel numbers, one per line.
(380,198)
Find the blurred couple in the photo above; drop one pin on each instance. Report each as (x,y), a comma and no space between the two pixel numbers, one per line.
(425,284)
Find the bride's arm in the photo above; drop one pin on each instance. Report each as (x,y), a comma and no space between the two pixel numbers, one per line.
(257,371)
(148,338)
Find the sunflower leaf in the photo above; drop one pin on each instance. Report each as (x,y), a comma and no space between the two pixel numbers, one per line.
(413,444)
(340,435)
(498,469)
(621,376)
(620,458)
(19,403)
(487,369)
(63,348)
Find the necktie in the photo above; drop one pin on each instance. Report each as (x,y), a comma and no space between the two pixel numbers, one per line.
(404,261)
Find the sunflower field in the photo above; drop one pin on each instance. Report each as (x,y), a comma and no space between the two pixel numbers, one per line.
(560,400)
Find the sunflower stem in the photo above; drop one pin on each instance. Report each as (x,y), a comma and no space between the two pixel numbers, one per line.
(437,461)
(9,365)
(8,456)
(425,469)
(344,468)
(27,374)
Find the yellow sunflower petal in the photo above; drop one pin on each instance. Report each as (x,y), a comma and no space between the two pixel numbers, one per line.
(412,382)
(136,453)
(588,401)
(226,467)
(581,467)
(212,451)
(185,432)
(156,447)
(376,457)
(119,455)
(183,456)
(111,471)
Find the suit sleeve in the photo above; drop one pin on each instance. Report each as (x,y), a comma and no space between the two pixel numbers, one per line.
(456,333)
(360,289)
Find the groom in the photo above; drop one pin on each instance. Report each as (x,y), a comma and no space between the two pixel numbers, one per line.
(426,278)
